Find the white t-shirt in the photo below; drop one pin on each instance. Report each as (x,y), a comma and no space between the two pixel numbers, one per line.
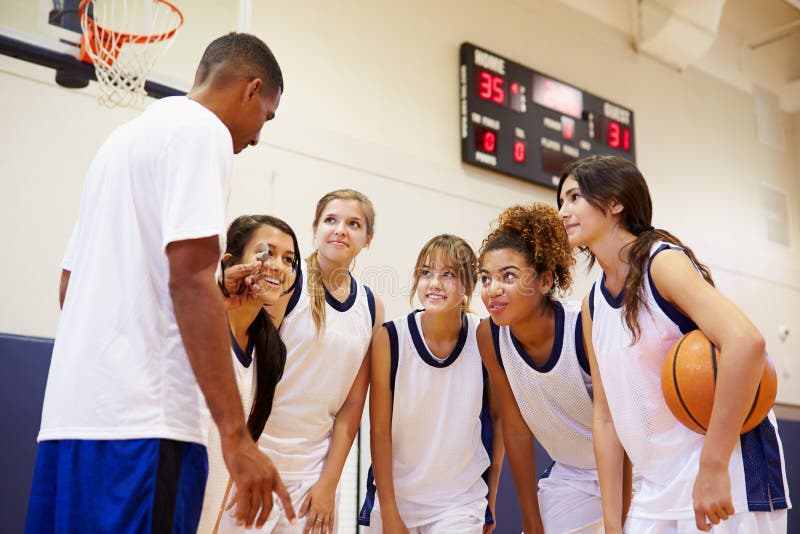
(119,368)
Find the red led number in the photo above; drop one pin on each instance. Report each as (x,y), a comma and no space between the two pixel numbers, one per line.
(519,151)
(613,137)
(489,141)
(617,136)
(491,88)
(498,92)
(567,127)
(485,85)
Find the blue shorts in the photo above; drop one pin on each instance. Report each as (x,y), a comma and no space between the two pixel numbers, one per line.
(132,485)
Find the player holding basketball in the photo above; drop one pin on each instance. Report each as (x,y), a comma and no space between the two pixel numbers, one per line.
(143,324)
(429,408)
(652,290)
(258,353)
(533,349)
(327,328)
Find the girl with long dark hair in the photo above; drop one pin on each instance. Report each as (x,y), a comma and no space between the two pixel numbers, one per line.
(653,290)
(267,245)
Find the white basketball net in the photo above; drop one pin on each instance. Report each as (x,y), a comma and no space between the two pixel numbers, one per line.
(124,38)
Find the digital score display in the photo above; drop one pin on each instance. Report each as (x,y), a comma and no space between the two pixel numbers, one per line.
(523,123)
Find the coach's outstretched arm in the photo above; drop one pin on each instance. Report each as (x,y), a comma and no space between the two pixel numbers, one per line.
(200,314)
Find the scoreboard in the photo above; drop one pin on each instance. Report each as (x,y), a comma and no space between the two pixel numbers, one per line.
(526,124)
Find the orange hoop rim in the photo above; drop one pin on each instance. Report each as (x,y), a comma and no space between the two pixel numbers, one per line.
(121,37)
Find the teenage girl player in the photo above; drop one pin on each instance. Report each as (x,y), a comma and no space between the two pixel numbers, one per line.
(327,328)
(426,406)
(533,349)
(268,245)
(651,291)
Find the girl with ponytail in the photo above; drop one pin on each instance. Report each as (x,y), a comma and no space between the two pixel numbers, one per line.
(653,290)
(267,246)
(327,327)
(436,463)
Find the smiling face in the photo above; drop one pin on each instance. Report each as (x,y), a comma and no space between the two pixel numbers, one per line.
(510,289)
(341,231)
(439,288)
(275,249)
(583,222)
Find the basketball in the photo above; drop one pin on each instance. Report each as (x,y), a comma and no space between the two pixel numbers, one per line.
(689,376)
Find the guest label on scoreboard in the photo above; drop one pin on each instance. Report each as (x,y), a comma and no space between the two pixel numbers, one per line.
(506,107)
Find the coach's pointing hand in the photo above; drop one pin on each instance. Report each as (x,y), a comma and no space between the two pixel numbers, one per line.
(256,478)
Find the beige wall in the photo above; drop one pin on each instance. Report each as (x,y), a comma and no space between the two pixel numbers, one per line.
(371,102)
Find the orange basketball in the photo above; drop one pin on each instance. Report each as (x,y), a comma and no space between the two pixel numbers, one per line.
(688,379)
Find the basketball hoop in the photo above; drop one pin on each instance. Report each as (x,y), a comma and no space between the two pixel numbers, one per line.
(123,39)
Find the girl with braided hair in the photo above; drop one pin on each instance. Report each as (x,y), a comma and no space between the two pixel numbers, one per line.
(532,347)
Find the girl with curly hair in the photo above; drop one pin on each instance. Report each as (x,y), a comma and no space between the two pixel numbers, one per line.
(652,291)
(431,429)
(532,348)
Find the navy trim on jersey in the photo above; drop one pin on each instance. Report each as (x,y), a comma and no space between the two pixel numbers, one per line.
(496,342)
(558,343)
(295,298)
(546,472)
(371,304)
(422,350)
(394,353)
(245,357)
(349,301)
(763,473)
(487,437)
(614,302)
(487,425)
(684,323)
(369,500)
(579,348)
(591,301)
(394,357)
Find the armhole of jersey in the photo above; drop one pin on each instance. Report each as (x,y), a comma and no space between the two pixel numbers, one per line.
(394,353)
(591,301)
(298,288)
(496,342)
(371,304)
(579,349)
(487,434)
(684,323)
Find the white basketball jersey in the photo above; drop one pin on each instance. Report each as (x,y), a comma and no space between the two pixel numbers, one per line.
(319,372)
(662,450)
(438,456)
(555,400)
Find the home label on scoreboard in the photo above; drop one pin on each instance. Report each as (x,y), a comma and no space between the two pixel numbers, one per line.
(520,122)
